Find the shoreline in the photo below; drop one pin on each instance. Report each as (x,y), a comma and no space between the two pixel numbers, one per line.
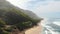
(35,30)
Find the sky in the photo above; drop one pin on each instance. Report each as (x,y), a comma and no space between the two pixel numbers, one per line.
(43,8)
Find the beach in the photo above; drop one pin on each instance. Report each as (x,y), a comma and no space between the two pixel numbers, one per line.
(34,30)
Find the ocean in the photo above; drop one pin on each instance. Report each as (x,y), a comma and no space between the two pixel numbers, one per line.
(51,26)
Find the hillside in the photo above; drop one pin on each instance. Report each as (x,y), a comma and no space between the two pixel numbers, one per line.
(12,17)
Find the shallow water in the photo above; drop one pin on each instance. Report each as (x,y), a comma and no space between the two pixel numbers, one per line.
(51,26)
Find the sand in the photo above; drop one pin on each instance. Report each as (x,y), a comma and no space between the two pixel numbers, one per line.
(34,30)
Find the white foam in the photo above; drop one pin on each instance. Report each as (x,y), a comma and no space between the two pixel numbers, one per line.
(57,23)
(49,28)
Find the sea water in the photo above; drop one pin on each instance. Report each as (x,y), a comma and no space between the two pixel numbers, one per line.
(51,26)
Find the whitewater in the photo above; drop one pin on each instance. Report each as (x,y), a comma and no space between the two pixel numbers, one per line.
(51,26)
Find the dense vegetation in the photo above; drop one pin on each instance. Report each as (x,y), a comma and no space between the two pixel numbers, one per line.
(12,17)
(15,19)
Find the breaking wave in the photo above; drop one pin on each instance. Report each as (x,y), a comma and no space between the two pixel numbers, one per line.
(51,26)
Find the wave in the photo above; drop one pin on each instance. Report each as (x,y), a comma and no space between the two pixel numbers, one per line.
(51,26)
(57,23)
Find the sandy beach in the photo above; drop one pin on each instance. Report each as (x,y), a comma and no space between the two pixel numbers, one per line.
(34,30)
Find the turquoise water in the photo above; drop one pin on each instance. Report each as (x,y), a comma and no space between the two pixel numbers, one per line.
(51,26)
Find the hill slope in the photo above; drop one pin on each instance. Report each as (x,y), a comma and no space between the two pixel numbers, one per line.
(15,17)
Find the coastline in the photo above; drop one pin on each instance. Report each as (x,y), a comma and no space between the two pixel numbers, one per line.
(34,30)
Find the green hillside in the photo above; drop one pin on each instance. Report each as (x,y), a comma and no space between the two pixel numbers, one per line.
(12,17)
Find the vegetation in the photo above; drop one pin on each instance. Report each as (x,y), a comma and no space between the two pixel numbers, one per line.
(16,18)
(12,18)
